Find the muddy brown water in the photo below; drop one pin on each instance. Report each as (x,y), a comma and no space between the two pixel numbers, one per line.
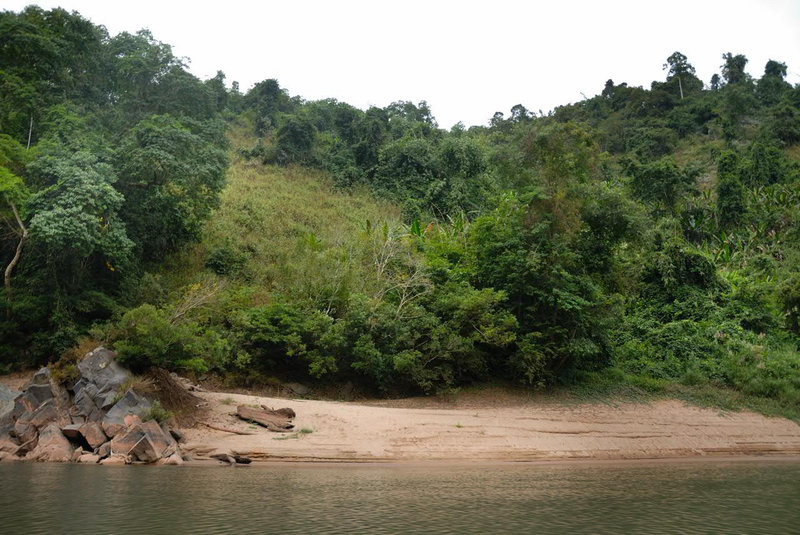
(735,496)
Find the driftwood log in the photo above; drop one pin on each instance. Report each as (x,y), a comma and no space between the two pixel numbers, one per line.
(285,411)
(276,421)
(231,458)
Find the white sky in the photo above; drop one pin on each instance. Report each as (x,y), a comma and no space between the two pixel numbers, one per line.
(467,59)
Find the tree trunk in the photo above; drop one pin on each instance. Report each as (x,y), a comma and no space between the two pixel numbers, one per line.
(14,261)
(30,132)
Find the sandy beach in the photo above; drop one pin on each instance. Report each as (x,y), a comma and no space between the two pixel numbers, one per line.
(512,431)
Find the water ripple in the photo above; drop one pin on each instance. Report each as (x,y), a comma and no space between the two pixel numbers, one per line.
(735,497)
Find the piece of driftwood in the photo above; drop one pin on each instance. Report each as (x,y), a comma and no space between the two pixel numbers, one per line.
(270,419)
(224,458)
(226,430)
(285,411)
(231,459)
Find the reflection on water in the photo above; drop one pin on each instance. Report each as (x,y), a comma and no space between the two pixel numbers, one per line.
(676,497)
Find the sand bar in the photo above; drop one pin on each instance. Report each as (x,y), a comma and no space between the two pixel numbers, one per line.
(333,431)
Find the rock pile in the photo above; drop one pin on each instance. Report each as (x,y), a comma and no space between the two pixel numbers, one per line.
(97,419)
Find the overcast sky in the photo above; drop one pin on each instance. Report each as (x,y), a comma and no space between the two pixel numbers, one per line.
(467,59)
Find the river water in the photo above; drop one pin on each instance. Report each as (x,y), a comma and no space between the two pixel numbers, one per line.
(641,497)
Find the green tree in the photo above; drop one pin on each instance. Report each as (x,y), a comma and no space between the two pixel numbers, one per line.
(14,194)
(733,68)
(295,139)
(78,215)
(268,100)
(730,192)
(679,69)
(407,172)
(171,172)
(661,182)
(773,85)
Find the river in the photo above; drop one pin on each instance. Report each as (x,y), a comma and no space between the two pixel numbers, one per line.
(738,496)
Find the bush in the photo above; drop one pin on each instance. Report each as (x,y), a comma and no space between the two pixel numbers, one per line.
(225,259)
(146,336)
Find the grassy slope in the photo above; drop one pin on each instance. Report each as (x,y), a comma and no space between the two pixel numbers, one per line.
(278,219)
(270,214)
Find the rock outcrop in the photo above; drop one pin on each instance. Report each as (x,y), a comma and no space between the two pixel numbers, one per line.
(96,419)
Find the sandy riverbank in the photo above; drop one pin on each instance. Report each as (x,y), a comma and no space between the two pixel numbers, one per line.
(514,430)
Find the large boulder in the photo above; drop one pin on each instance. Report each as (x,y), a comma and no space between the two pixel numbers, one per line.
(53,446)
(130,403)
(47,413)
(89,433)
(100,368)
(93,434)
(37,392)
(84,408)
(39,387)
(146,442)
(84,405)
(7,397)
(72,432)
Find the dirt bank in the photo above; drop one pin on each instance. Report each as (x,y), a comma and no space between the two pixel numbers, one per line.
(511,430)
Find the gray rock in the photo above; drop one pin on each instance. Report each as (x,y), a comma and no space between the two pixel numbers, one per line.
(346,392)
(78,386)
(145,451)
(297,388)
(7,397)
(8,394)
(131,403)
(162,440)
(53,446)
(42,377)
(61,397)
(46,414)
(101,369)
(38,394)
(84,400)
(145,442)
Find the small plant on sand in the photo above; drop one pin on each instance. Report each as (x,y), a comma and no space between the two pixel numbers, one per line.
(296,434)
(227,401)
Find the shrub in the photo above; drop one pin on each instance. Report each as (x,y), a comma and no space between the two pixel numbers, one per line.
(148,337)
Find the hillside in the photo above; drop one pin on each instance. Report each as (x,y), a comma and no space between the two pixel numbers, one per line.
(641,240)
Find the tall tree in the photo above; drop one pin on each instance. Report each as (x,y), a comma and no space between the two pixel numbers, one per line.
(733,68)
